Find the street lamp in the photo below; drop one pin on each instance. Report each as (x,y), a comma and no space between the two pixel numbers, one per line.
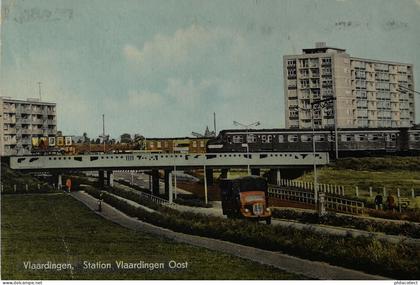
(246,127)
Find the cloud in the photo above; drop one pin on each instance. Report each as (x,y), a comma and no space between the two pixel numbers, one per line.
(186,45)
(144,98)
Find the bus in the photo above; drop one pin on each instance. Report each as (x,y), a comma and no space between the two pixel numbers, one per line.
(245,197)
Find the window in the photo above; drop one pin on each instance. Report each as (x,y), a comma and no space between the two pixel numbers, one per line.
(159,144)
(250,138)
(237,139)
(266,138)
(305,138)
(201,143)
(194,144)
(346,138)
(281,138)
(292,138)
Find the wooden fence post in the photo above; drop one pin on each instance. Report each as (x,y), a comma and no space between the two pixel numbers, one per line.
(357,191)
(412,193)
(370,191)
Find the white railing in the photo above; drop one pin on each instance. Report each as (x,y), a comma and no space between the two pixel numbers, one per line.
(332,203)
(327,188)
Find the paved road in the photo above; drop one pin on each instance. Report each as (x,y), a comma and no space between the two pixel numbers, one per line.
(311,269)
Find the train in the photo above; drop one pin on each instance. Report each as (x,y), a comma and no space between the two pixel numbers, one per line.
(351,142)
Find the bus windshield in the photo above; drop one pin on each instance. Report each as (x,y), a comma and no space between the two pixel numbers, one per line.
(253,185)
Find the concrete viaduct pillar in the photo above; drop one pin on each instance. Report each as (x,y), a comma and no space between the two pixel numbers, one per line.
(110,178)
(274,176)
(224,173)
(59,181)
(155,182)
(167,181)
(209,176)
(101,179)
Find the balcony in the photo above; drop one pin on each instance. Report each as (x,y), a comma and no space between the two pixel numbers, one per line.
(10,131)
(25,131)
(37,121)
(10,142)
(10,120)
(24,110)
(37,111)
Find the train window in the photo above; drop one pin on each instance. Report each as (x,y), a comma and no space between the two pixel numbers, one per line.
(292,138)
(373,137)
(201,143)
(281,138)
(266,138)
(237,139)
(415,137)
(229,140)
(305,138)
(346,138)
(251,138)
(159,144)
(194,144)
(359,138)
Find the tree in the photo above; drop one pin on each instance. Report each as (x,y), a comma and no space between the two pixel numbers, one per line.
(86,139)
(126,138)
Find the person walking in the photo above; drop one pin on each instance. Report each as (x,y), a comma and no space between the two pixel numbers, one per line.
(378,201)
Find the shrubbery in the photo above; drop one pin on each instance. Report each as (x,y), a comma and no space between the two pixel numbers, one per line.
(379,163)
(398,261)
(406,229)
(10,177)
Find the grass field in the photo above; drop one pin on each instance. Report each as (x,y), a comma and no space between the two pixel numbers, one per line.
(391,180)
(55,227)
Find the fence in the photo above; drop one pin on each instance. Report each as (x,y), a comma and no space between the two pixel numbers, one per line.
(22,188)
(341,191)
(332,203)
(327,188)
(156,199)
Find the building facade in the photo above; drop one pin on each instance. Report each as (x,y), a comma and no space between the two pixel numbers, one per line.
(22,120)
(368,93)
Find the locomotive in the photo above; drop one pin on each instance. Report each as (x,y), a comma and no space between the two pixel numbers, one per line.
(351,142)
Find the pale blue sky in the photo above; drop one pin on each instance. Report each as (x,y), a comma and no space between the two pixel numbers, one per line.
(161,68)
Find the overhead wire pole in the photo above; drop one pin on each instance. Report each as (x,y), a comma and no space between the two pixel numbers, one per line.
(246,127)
(103,131)
(39,90)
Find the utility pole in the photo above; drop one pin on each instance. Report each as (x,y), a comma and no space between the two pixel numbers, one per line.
(39,90)
(103,131)
(214,123)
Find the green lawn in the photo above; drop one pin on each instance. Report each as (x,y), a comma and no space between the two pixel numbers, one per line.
(57,228)
(391,180)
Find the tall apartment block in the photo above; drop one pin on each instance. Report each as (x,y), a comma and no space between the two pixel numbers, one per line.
(369,93)
(21,120)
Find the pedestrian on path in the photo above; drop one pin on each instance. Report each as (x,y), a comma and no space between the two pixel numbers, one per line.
(378,201)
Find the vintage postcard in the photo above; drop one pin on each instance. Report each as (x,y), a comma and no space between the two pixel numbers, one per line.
(210,140)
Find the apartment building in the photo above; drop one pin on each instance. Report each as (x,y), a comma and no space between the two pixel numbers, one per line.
(368,93)
(21,120)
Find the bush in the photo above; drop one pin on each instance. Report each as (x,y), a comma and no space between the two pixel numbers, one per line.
(379,163)
(406,229)
(10,177)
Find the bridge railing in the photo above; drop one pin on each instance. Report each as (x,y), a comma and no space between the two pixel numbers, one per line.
(332,203)
(155,199)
